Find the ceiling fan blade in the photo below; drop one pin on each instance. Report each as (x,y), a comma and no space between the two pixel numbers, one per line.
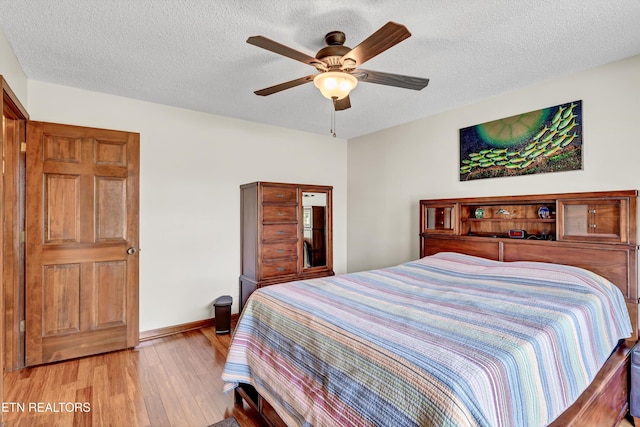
(281,49)
(342,104)
(286,85)
(388,36)
(388,79)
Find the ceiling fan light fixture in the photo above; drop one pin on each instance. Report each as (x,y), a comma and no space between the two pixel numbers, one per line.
(335,84)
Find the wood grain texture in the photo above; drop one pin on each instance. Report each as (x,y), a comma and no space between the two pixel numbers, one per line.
(82,217)
(13,118)
(607,246)
(13,134)
(384,38)
(175,329)
(169,381)
(271,236)
(608,249)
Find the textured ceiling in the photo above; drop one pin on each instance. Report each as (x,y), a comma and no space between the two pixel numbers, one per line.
(192,53)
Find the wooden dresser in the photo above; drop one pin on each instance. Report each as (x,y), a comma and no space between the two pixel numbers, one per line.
(286,234)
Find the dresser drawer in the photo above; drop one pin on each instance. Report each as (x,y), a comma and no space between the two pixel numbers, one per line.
(273,213)
(279,250)
(280,267)
(279,232)
(279,195)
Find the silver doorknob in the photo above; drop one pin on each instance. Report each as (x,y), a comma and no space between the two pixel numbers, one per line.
(131,251)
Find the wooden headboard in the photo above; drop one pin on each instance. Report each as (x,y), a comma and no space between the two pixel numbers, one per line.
(596,231)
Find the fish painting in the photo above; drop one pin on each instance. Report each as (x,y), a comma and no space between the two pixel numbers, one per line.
(546,140)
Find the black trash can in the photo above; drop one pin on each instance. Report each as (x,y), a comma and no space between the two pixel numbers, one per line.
(222,308)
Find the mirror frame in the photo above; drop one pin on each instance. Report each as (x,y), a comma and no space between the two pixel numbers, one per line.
(328,191)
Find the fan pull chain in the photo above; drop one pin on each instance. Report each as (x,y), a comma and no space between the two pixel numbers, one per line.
(333,117)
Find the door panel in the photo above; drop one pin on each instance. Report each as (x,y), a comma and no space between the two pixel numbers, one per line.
(82,216)
(110,280)
(111,209)
(61,291)
(61,199)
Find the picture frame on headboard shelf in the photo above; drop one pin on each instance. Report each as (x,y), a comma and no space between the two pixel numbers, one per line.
(540,141)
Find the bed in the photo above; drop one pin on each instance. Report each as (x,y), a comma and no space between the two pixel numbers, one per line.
(446,340)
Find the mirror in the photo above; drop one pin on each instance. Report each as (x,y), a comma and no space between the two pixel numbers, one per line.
(314,229)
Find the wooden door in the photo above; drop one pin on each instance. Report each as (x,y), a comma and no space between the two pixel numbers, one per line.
(82,238)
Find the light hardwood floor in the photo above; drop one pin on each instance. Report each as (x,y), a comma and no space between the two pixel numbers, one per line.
(171,381)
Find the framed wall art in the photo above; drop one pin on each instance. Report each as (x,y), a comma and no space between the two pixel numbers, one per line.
(546,140)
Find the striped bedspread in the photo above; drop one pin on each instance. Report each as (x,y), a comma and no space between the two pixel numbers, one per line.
(447,340)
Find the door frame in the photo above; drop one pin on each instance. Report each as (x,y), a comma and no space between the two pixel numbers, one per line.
(12,258)
(13,220)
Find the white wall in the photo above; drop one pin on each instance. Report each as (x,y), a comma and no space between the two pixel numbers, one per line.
(192,165)
(391,170)
(11,70)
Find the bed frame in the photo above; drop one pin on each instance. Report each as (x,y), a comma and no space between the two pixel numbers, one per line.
(455,225)
(606,400)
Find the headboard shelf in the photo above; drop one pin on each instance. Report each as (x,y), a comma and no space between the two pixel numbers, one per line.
(592,230)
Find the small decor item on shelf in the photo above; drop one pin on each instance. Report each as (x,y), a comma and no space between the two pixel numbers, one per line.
(479,213)
(517,234)
(544,213)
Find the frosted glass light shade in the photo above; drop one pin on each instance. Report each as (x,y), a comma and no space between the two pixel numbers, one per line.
(335,84)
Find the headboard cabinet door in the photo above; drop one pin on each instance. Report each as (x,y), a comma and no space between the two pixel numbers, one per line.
(594,220)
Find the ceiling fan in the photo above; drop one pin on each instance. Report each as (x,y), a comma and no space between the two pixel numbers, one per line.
(337,64)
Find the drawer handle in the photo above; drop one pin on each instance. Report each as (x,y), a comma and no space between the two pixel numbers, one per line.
(280,251)
(280,268)
(280,232)
(280,213)
(280,195)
